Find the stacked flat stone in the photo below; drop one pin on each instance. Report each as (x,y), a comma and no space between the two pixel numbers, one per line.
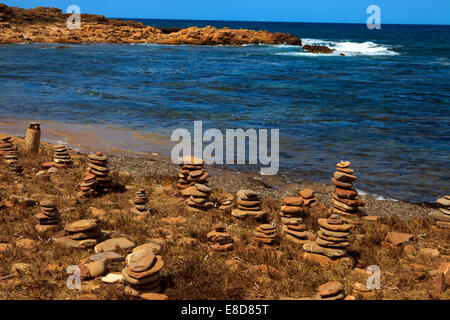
(344,196)
(227,202)
(192,172)
(198,197)
(307,195)
(8,150)
(87,187)
(84,233)
(48,218)
(61,155)
(442,215)
(332,240)
(248,205)
(142,273)
(98,166)
(291,214)
(140,202)
(220,239)
(265,234)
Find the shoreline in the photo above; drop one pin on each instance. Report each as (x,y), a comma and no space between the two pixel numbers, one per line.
(143,165)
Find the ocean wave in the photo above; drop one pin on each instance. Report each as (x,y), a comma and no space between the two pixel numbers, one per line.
(375,196)
(348,48)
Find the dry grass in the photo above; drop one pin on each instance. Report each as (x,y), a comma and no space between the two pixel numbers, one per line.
(194,272)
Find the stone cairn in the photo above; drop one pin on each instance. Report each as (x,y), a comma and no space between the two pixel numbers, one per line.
(191,172)
(220,239)
(265,234)
(198,197)
(97,178)
(442,215)
(307,195)
(291,213)
(142,273)
(227,202)
(248,205)
(140,202)
(82,234)
(8,150)
(61,155)
(332,241)
(344,196)
(49,217)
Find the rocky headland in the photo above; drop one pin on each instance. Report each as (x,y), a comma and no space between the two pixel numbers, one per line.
(48,25)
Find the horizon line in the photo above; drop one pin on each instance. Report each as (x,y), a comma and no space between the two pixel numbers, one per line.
(231,20)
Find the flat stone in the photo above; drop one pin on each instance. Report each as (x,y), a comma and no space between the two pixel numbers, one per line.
(154,296)
(346,193)
(247,195)
(113,277)
(336,234)
(330,289)
(341,184)
(141,260)
(152,246)
(291,210)
(96,268)
(429,252)
(344,177)
(443,202)
(307,193)
(113,245)
(313,247)
(81,225)
(333,227)
(293,201)
(238,213)
(26,243)
(398,239)
(440,216)
(107,257)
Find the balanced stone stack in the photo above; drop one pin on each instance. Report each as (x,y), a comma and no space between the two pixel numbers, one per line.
(227,202)
(98,166)
(83,233)
(49,217)
(192,172)
(8,150)
(291,214)
(307,195)
(87,187)
(442,215)
(140,202)
(266,235)
(220,239)
(344,196)
(248,205)
(61,155)
(332,240)
(198,197)
(142,273)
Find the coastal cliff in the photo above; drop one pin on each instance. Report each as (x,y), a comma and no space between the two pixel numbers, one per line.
(48,25)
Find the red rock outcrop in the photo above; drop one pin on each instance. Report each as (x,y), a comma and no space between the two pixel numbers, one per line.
(49,25)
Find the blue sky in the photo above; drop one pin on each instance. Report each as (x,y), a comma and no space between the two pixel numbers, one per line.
(349,11)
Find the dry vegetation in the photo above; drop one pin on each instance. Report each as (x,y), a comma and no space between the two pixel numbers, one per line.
(191,270)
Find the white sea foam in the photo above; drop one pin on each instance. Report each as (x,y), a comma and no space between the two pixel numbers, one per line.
(348,48)
(374,195)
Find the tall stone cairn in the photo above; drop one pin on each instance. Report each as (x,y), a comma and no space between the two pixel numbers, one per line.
(192,172)
(344,196)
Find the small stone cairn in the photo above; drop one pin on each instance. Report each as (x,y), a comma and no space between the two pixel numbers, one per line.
(227,202)
(291,213)
(344,196)
(140,202)
(142,273)
(98,166)
(248,205)
(266,235)
(198,197)
(87,187)
(191,172)
(442,215)
(81,234)
(8,150)
(61,155)
(332,241)
(48,218)
(220,239)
